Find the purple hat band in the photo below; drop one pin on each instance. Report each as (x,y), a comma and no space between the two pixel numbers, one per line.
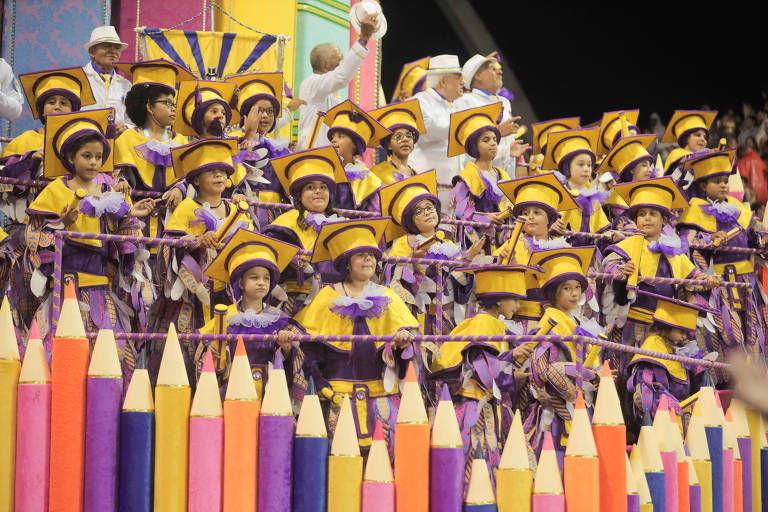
(618,135)
(682,140)
(564,165)
(210,166)
(356,138)
(67,145)
(499,295)
(237,273)
(73,98)
(340,263)
(560,278)
(249,102)
(199,113)
(297,185)
(634,208)
(407,220)
(471,143)
(626,176)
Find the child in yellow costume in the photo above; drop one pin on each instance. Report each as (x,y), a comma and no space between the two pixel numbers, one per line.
(251,264)
(415,210)
(405,122)
(366,371)
(483,377)
(310,178)
(476,195)
(690,130)
(350,130)
(76,151)
(560,369)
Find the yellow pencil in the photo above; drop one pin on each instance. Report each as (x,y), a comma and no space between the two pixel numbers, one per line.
(696,439)
(345,465)
(172,398)
(10,367)
(514,479)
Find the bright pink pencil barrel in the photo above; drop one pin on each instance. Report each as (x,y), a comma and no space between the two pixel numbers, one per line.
(378,497)
(548,503)
(33,447)
(206,442)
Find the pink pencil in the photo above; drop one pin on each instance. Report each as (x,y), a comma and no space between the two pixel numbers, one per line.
(663,426)
(206,443)
(378,482)
(548,487)
(34,427)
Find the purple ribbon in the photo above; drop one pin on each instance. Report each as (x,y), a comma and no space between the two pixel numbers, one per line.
(111,203)
(669,245)
(587,197)
(724,212)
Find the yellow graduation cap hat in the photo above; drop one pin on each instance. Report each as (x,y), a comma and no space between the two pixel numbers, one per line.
(610,128)
(351,119)
(406,114)
(204,155)
(560,265)
(626,154)
(561,145)
(63,130)
(68,82)
(676,313)
(542,190)
(683,122)
(412,78)
(660,193)
(315,164)
(674,158)
(466,125)
(338,241)
(247,249)
(194,98)
(257,86)
(543,128)
(399,199)
(709,165)
(155,72)
(501,281)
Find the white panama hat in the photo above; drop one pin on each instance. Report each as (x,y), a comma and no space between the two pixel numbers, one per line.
(443,64)
(470,68)
(104,34)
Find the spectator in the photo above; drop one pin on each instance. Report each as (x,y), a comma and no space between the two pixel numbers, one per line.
(109,88)
(748,130)
(330,72)
(754,170)
(10,97)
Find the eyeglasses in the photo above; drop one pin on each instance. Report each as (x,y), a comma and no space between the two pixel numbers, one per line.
(400,136)
(269,111)
(168,103)
(418,212)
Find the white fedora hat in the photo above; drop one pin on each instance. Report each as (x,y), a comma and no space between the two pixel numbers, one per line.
(474,63)
(443,64)
(362,9)
(104,34)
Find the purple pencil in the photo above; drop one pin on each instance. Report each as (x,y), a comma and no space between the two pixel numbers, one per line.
(104,392)
(633,495)
(275,443)
(446,458)
(744,442)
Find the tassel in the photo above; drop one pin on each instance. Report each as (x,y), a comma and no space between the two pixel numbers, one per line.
(111,131)
(233,102)
(198,95)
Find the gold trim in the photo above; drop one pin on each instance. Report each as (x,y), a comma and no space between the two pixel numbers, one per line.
(338,20)
(337,5)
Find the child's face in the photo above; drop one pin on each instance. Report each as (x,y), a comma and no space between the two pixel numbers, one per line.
(649,221)
(716,188)
(568,295)
(214,120)
(641,171)
(508,307)
(536,221)
(344,146)
(401,143)
(254,283)
(212,182)
(315,196)
(581,170)
(425,216)
(266,115)
(87,161)
(696,141)
(362,266)
(163,114)
(676,336)
(487,146)
(57,104)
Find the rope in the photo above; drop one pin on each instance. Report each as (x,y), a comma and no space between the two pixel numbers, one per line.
(512,339)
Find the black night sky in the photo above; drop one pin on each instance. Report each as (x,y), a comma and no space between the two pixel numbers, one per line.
(580,59)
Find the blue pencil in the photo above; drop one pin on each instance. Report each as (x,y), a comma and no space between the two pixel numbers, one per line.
(310,456)
(137,434)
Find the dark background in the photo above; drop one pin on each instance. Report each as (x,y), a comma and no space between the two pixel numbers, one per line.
(583,60)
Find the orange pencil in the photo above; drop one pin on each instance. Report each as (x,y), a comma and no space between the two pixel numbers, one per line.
(683,478)
(581,469)
(412,449)
(610,439)
(10,367)
(241,432)
(69,371)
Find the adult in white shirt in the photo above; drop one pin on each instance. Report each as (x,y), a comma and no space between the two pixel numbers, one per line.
(443,86)
(330,72)
(10,97)
(109,88)
(484,77)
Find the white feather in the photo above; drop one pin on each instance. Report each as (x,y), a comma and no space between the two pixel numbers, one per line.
(38,283)
(177,289)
